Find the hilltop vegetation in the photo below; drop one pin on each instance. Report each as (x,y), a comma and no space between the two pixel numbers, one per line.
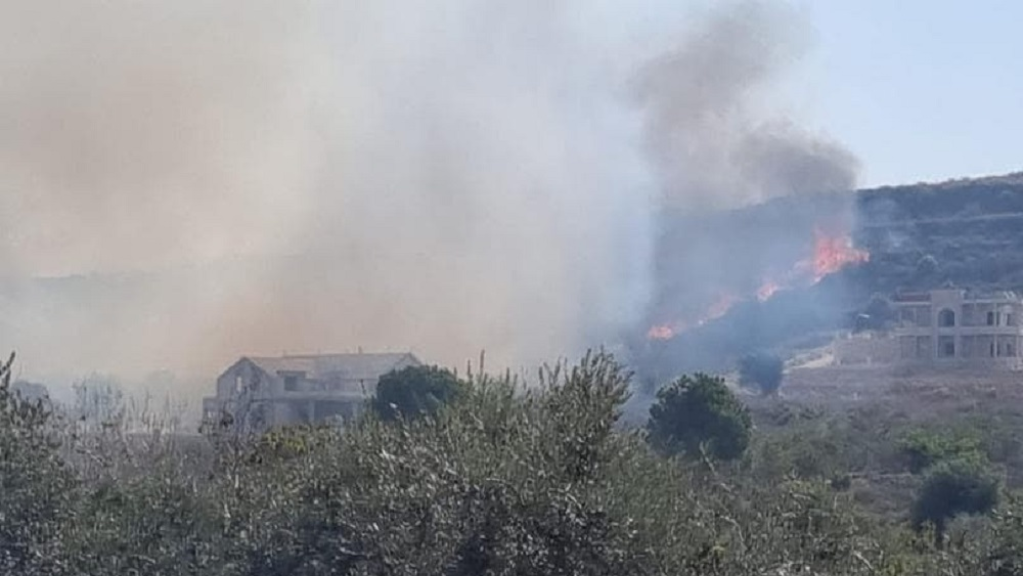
(500,480)
(964,232)
(971,228)
(967,232)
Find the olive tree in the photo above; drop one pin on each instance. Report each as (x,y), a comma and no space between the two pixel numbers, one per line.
(35,484)
(415,391)
(697,413)
(960,486)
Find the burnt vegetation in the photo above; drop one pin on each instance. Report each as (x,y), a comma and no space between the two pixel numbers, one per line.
(504,478)
(966,233)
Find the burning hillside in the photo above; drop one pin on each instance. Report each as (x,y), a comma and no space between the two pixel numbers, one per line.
(236,242)
(716,310)
(833,253)
(830,254)
(805,267)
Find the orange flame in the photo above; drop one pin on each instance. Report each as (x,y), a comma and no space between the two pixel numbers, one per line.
(831,254)
(661,332)
(717,309)
(767,290)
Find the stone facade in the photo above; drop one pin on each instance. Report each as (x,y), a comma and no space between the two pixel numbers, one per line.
(942,327)
(954,326)
(264,392)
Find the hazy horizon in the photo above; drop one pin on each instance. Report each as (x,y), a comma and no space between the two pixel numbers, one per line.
(443,179)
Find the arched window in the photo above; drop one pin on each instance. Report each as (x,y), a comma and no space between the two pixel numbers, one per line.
(947,318)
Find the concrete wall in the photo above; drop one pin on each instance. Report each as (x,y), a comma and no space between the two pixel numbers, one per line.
(947,329)
(954,328)
(865,349)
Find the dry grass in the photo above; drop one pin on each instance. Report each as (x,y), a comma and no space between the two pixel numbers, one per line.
(874,407)
(914,395)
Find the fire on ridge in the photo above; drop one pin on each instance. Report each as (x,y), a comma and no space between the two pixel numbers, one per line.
(831,253)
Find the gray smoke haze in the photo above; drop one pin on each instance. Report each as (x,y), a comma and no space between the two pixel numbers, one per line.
(714,143)
(254,177)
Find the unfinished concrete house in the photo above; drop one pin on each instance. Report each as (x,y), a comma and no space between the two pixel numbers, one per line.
(946,327)
(959,326)
(264,392)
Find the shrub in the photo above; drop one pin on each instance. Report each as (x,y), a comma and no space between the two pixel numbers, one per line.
(35,484)
(697,413)
(158,524)
(415,391)
(922,448)
(877,315)
(960,486)
(761,371)
(808,451)
(509,479)
(1005,557)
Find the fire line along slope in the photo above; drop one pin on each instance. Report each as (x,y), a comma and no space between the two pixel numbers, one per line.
(792,267)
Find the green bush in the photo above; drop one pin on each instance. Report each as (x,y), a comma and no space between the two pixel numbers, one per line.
(1004,556)
(159,524)
(923,448)
(953,487)
(36,486)
(761,371)
(699,413)
(513,478)
(808,451)
(414,391)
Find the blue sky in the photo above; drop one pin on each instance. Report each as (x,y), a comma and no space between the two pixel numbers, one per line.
(918,90)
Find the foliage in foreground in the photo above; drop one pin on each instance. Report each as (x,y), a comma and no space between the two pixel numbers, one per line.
(415,391)
(34,483)
(506,480)
(697,415)
(951,488)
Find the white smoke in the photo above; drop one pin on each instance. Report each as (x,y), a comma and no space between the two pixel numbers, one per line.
(444,178)
(256,177)
(715,141)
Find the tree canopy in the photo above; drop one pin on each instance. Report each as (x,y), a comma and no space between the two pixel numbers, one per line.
(953,487)
(699,411)
(415,391)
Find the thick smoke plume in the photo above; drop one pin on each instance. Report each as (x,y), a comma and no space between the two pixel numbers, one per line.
(707,126)
(254,177)
(185,182)
(716,142)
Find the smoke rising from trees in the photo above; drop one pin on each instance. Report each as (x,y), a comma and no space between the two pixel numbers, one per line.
(713,142)
(255,177)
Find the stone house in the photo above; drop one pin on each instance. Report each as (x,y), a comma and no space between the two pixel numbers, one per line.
(959,326)
(944,327)
(262,392)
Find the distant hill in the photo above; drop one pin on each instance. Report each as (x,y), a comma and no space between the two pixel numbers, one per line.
(972,228)
(967,232)
(964,232)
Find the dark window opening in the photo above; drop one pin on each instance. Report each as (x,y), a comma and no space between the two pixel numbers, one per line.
(924,347)
(947,347)
(947,318)
(991,318)
(291,383)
